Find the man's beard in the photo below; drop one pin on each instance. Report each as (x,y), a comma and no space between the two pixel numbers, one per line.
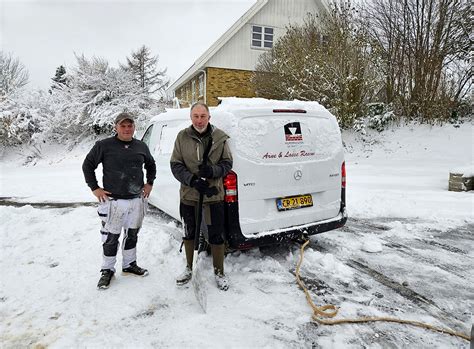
(201,130)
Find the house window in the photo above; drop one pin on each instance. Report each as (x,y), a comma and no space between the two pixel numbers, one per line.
(201,85)
(262,37)
(193,91)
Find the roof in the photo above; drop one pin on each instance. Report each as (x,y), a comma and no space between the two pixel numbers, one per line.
(204,58)
(200,63)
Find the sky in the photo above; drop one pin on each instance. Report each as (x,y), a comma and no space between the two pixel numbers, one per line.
(45,34)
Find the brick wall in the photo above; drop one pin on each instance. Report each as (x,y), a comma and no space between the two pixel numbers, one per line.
(220,82)
(227,83)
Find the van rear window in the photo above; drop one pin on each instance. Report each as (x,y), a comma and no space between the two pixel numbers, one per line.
(299,111)
(280,138)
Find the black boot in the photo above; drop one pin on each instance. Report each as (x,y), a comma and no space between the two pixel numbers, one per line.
(104,280)
(133,268)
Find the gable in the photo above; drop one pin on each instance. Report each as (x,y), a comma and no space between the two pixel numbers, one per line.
(233,49)
(237,52)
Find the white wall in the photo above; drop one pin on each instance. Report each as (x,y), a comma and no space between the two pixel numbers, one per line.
(237,54)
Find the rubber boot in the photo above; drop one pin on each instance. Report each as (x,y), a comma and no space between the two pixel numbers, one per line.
(218,261)
(189,250)
(187,274)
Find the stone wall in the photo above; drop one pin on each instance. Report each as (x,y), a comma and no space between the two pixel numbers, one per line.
(228,83)
(460,182)
(220,82)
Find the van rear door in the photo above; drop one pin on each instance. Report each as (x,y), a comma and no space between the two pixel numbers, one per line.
(288,165)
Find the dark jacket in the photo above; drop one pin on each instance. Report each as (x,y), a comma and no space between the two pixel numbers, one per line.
(122,164)
(187,156)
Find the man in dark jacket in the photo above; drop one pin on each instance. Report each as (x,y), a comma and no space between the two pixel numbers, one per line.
(123,198)
(206,179)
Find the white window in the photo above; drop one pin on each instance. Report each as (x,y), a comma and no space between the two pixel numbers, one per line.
(262,37)
(193,91)
(201,85)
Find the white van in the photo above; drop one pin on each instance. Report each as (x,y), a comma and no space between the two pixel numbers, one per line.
(288,177)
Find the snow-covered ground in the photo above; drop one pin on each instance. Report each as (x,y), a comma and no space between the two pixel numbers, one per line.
(405,252)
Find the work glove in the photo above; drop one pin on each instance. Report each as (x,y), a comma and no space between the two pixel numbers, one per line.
(205,171)
(211,191)
(200,185)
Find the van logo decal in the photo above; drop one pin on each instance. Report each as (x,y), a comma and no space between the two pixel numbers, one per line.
(293,132)
(298,174)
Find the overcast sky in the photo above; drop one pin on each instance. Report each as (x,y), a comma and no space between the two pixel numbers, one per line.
(44,34)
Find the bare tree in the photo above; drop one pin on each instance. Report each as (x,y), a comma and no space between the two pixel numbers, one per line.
(328,59)
(13,74)
(143,66)
(423,42)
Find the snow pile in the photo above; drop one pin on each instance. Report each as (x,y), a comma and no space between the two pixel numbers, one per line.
(372,246)
(254,128)
(404,172)
(232,103)
(466,171)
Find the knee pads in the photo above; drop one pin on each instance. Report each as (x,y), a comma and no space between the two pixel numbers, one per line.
(131,239)
(215,238)
(111,245)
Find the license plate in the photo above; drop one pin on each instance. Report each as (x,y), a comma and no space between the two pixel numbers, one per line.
(293,202)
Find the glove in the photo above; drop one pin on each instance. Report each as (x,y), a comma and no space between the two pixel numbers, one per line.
(211,191)
(200,185)
(205,171)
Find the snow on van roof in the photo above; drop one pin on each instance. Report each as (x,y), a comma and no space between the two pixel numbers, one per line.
(252,124)
(172,114)
(228,103)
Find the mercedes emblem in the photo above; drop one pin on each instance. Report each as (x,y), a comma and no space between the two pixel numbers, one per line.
(298,174)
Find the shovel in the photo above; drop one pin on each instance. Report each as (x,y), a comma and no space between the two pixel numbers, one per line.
(198,280)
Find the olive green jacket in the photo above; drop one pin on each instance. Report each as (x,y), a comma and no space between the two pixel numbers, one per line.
(187,156)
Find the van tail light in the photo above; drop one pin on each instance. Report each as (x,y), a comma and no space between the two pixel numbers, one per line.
(230,187)
(343,175)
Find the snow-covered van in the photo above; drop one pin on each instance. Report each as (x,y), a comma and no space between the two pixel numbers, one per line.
(288,177)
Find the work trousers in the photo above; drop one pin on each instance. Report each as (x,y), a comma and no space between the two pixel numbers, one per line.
(212,216)
(117,215)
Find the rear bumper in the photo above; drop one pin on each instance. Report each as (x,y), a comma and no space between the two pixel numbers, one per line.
(237,240)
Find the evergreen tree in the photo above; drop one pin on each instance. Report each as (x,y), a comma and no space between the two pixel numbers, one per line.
(143,67)
(60,76)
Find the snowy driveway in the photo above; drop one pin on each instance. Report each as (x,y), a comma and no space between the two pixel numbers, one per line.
(406,252)
(388,267)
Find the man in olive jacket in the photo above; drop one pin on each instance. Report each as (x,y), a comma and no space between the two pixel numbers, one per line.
(197,178)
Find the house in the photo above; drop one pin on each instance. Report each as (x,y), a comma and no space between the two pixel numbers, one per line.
(226,68)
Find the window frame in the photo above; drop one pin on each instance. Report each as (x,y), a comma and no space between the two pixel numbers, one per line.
(201,85)
(193,91)
(263,37)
